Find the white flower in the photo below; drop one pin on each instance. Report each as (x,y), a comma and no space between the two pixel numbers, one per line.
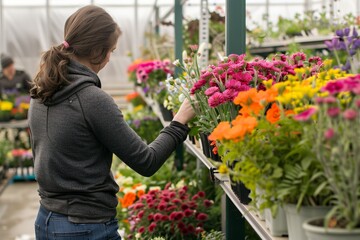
(180,184)
(181,97)
(177,63)
(184,55)
(141,187)
(155,188)
(138,236)
(129,189)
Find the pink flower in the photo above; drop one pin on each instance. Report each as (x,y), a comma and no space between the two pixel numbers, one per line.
(198,85)
(164,218)
(211,90)
(329,133)
(357,103)
(150,217)
(176,201)
(349,114)
(334,87)
(216,99)
(173,216)
(230,94)
(171,208)
(306,115)
(234,84)
(233,57)
(333,112)
(199,230)
(202,217)
(299,56)
(329,99)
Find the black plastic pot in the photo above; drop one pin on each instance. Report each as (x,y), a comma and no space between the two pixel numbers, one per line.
(205,144)
(239,189)
(166,113)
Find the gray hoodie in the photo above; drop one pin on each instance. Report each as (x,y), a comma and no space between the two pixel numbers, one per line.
(73,138)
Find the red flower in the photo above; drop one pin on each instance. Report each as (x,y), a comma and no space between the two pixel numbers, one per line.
(152,227)
(191,228)
(171,208)
(202,217)
(162,206)
(157,217)
(141,214)
(164,218)
(181,225)
(150,217)
(184,207)
(176,201)
(173,216)
(179,216)
(208,203)
(195,197)
(188,212)
(141,229)
(199,230)
(201,194)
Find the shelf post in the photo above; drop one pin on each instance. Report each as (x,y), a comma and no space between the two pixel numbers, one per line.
(235,33)
(179,152)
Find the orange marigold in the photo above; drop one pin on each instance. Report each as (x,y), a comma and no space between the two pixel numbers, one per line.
(140,193)
(219,131)
(131,96)
(128,199)
(273,114)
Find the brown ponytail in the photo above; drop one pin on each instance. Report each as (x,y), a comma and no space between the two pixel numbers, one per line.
(91,33)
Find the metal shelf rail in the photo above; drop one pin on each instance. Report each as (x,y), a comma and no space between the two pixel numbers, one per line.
(223,180)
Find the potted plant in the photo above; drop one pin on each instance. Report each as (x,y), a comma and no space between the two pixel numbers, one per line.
(334,134)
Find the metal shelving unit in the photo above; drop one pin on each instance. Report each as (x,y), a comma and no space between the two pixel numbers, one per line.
(223,180)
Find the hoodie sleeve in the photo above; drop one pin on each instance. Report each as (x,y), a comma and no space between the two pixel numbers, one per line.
(108,125)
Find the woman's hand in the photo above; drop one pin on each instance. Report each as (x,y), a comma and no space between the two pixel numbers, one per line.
(185,113)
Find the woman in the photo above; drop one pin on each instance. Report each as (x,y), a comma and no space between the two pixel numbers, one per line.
(75,129)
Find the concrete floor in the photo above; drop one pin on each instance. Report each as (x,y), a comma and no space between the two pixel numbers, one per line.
(19,204)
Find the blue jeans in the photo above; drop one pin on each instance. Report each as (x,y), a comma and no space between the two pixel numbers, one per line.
(54,226)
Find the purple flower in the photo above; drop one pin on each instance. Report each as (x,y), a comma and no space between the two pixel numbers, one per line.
(329,133)
(339,32)
(306,115)
(333,112)
(216,99)
(210,91)
(136,123)
(355,33)
(346,32)
(349,114)
(334,44)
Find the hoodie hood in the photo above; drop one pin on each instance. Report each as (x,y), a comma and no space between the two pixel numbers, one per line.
(79,77)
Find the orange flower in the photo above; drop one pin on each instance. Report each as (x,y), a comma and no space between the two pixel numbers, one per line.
(245,98)
(289,112)
(133,66)
(131,96)
(219,131)
(215,149)
(136,185)
(241,126)
(128,199)
(273,114)
(140,193)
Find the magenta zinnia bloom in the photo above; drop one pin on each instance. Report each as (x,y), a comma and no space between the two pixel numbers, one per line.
(333,112)
(306,115)
(349,114)
(329,133)
(230,94)
(211,90)
(334,87)
(198,85)
(216,99)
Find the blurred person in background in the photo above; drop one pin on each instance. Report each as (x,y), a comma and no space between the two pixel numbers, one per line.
(12,81)
(76,128)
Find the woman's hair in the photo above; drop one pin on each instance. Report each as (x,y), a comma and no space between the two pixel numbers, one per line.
(89,33)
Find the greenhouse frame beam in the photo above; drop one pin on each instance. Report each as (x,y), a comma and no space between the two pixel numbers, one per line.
(235,41)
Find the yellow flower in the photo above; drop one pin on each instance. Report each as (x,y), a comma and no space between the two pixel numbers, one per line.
(24,106)
(138,108)
(223,169)
(6,106)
